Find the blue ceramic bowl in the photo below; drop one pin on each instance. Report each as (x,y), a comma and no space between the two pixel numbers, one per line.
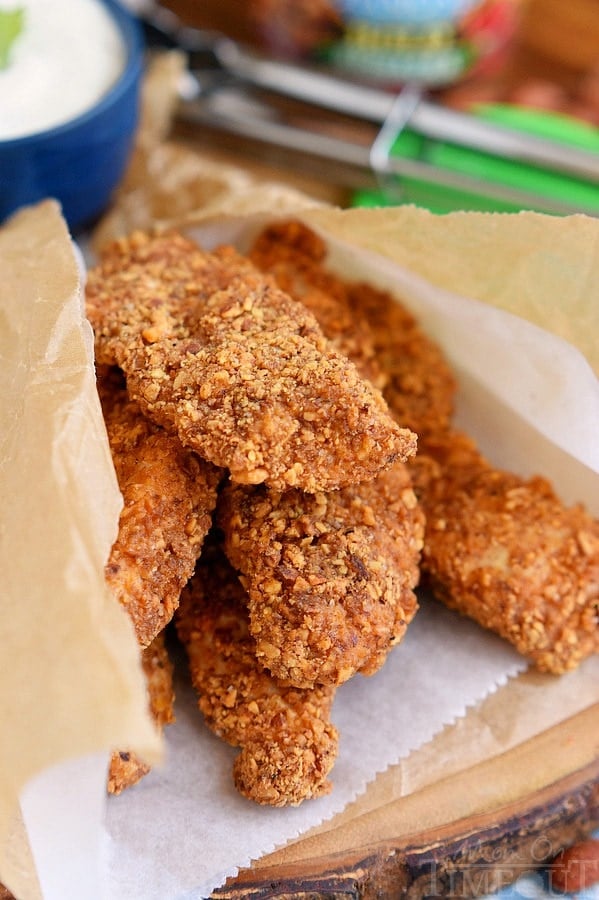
(81,162)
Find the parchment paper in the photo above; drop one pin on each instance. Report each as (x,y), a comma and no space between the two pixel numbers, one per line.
(540,267)
(71,682)
(183,829)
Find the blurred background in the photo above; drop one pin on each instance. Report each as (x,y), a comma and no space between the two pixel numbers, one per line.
(529,65)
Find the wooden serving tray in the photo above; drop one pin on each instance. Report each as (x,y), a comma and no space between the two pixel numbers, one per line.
(462,836)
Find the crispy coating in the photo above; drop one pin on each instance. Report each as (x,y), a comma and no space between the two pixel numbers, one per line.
(126,768)
(449,455)
(420,386)
(288,745)
(369,325)
(507,552)
(295,255)
(215,350)
(330,576)
(169,495)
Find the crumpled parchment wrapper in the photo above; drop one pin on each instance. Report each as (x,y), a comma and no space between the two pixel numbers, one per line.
(183,830)
(71,684)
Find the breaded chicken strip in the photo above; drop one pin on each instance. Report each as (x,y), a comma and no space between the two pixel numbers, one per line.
(169,495)
(214,350)
(126,769)
(330,576)
(288,745)
(507,552)
(367,324)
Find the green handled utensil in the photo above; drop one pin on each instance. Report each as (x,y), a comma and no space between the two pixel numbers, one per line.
(505,184)
(499,157)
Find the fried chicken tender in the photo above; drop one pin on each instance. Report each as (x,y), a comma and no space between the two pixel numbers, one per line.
(169,495)
(367,324)
(507,552)
(214,350)
(126,768)
(330,576)
(288,744)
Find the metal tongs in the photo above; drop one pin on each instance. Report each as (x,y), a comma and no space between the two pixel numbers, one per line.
(231,89)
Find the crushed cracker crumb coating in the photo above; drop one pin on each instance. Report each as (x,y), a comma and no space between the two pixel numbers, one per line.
(369,325)
(126,768)
(330,576)
(421,385)
(507,552)
(288,745)
(213,349)
(169,494)
(295,255)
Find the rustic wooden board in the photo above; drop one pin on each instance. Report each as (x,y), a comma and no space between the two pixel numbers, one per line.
(463,836)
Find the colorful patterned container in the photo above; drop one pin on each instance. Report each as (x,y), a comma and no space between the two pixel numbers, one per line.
(433,42)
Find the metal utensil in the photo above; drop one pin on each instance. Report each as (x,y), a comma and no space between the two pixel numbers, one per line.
(232,86)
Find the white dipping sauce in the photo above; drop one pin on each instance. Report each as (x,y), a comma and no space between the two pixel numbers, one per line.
(68,55)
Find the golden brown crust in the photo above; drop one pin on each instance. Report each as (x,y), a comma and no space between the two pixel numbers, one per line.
(506,552)
(421,386)
(169,495)
(330,576)
(294,255)
(288,745)
(214,349)
(126,768)
(367,324)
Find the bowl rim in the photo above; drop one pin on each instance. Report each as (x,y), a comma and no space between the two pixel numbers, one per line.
(131,33)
